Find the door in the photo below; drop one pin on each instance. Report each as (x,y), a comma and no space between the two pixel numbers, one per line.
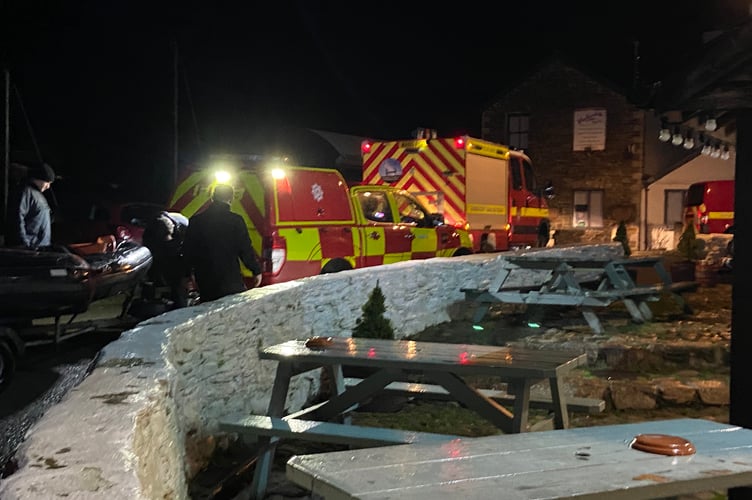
(383,240)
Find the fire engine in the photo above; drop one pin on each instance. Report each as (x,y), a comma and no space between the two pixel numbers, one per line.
(305,221)
(710,205)
(486,187)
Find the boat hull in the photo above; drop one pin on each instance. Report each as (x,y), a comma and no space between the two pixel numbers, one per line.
(56,281)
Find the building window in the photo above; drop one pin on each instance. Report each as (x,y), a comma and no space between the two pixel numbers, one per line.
(674,207)
(518,129)
(588,209)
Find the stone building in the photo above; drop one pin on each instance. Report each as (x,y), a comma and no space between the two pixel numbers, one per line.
(599,147)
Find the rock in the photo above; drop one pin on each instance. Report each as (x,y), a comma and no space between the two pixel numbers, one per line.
(594,387)
(675,392)
(631,395)
(713,392)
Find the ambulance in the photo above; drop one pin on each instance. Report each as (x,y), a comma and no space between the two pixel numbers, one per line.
(306,221)
(485,187)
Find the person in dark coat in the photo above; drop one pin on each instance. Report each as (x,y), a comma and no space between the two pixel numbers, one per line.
(216,241)
(164,236)
(29,221)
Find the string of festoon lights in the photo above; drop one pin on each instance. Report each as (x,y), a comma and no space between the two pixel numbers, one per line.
(689,139)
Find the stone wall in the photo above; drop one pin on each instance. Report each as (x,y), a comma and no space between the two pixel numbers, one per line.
(145,420)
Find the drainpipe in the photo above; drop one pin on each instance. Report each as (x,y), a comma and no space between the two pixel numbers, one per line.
(646,180)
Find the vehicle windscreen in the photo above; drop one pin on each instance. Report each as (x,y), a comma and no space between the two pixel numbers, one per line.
(695,195)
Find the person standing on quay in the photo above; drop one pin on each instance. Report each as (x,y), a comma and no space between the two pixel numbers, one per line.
(216,241)
(29,223)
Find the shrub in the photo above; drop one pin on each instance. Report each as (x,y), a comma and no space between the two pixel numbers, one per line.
(373,324)
(689,247)
(621,236)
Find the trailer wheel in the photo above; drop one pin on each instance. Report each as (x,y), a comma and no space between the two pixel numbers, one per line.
(7,363)
(11,349)
(335,266)
(462,251)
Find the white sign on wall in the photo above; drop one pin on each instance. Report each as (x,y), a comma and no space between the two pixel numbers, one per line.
(589,129)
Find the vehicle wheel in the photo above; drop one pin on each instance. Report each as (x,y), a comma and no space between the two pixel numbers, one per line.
(544,231)
(462,251)
(7,363)
(335,266)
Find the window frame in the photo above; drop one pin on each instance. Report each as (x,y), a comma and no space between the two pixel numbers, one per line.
(666,193)
(590,208)
(518,130)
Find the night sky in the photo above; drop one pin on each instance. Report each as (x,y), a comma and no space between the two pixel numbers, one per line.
(96,77)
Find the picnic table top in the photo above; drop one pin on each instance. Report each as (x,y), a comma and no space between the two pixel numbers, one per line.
(579,261)
(592,462)
(429,356)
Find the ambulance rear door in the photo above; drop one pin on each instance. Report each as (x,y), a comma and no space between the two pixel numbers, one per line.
(314,219)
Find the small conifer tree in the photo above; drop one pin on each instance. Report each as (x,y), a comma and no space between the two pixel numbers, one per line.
(621,236)
(372,323)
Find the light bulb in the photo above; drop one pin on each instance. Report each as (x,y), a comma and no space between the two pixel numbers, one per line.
(689,142)
(664,135)
(711,124)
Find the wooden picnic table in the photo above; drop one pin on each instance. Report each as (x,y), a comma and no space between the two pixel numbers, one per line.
(583,463)
(446,365)
(585,282)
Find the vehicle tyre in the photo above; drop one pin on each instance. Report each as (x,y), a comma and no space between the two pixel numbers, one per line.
(462,251)
(335,266)
(544,232)
(7,363)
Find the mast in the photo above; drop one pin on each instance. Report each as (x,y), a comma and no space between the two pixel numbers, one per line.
(175,91)
(6,144)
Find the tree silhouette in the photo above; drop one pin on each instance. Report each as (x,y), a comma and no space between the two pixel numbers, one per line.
(372,323)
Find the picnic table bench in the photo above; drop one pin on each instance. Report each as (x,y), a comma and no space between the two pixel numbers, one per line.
(583,463)
(587,283)
(392,361)
(591,406)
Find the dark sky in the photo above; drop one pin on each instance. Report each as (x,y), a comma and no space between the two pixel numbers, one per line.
(95,77)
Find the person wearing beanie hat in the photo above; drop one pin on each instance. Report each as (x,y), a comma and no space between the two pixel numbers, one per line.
(29,222)
(44,173)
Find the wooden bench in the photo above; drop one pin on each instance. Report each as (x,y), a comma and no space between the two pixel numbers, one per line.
(591,406)
(271,429)
(565,287)
(324,432)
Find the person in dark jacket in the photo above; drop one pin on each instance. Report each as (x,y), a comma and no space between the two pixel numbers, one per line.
(216,241)
(29,222)
(164,236)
